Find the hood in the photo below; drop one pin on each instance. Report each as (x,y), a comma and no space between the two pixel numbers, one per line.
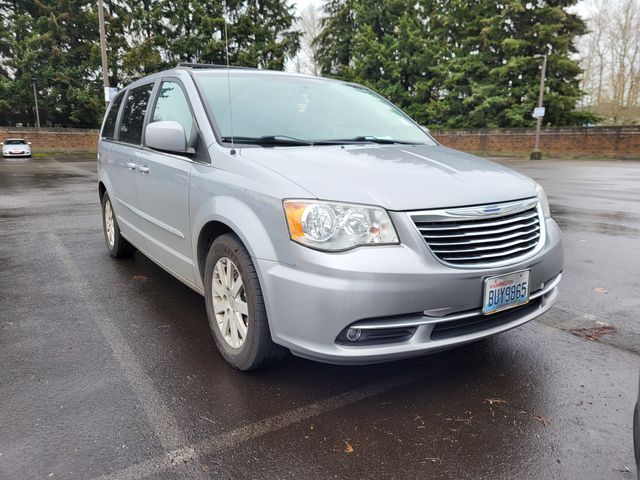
(396,177)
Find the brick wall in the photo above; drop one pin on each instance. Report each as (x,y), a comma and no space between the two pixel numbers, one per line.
(54,139)
(610,141)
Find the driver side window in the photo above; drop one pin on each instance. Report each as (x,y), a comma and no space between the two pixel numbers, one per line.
(172,104)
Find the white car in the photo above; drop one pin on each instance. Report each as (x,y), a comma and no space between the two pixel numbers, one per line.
(16,147)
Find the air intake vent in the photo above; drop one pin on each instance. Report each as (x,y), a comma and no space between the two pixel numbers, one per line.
(480,239)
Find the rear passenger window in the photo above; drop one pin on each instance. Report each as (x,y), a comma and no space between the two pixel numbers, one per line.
(135,109)
(108,130)
(173,105)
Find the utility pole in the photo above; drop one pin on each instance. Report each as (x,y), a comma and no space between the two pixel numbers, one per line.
(103,50)
(35,98)
(536,154)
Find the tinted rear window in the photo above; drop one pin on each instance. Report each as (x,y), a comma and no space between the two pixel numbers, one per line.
(108,130)
(135,109)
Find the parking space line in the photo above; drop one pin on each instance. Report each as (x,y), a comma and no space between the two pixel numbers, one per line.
(171,460)
(251,431)
(178,454)
(159,417)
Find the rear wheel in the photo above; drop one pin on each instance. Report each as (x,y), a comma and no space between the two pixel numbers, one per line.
(117,245)
(235,306)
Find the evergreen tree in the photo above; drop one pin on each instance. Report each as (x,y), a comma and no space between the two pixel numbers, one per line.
(458,63)
(50,44)
(56,43)
(262,34)
(336,40)
(494,73)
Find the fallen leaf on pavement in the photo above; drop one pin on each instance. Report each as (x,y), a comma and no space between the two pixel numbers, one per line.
(348,448)
(139,278)
(593,333)
(496,401)
(539,418)
(600,290)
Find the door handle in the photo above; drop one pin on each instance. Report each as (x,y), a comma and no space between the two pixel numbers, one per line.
(131,165)
(143,169)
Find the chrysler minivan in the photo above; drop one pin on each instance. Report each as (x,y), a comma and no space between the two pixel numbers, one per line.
(316,217)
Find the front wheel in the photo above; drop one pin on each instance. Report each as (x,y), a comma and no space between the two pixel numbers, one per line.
(117,245)
(235,306)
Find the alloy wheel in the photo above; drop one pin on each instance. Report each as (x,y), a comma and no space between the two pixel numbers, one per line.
(230,302)
(109,223)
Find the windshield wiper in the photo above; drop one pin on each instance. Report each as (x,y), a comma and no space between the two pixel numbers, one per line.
(285,140)
(384,141)
(367,139)
(269,140)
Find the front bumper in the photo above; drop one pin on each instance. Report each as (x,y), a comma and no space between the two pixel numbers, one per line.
(403,286)
(25,153)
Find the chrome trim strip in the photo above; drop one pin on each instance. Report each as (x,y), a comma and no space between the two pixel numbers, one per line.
(472,213)
(487,255)
(485,248)
(484,240)
(480,234)
(426,320)
(444,226)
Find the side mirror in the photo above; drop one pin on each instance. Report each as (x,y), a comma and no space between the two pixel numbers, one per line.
(167,136)
(425,129)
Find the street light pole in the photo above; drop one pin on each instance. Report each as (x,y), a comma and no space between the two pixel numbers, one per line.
(35,98)
(103,51)
(536,154)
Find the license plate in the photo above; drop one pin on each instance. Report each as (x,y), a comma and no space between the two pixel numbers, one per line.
(505,291)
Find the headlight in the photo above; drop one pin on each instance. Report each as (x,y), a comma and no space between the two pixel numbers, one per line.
(544,202)
(334,226)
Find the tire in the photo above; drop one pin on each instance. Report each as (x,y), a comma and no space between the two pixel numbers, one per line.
(252,348)
(117,245)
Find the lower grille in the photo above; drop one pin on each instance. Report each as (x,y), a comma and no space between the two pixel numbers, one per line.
(466,326)
(458,238)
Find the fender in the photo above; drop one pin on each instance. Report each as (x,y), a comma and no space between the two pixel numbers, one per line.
(241,218)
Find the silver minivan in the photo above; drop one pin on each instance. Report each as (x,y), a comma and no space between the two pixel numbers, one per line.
(316,217)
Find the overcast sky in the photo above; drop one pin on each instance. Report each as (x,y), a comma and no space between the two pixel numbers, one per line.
(302,4)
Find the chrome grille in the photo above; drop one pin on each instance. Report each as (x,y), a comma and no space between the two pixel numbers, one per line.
(471,237)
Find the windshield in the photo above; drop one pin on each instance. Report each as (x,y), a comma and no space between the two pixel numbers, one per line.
(296,110)
(14,141)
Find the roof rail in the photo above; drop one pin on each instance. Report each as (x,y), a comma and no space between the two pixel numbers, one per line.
(210,65)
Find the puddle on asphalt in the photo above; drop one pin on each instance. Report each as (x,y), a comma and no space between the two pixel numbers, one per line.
(35,179)
(609,223)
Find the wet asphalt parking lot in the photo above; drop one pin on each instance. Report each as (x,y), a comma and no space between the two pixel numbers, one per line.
(108,370)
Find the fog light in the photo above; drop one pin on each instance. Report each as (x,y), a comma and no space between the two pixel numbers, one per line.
(353,334)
